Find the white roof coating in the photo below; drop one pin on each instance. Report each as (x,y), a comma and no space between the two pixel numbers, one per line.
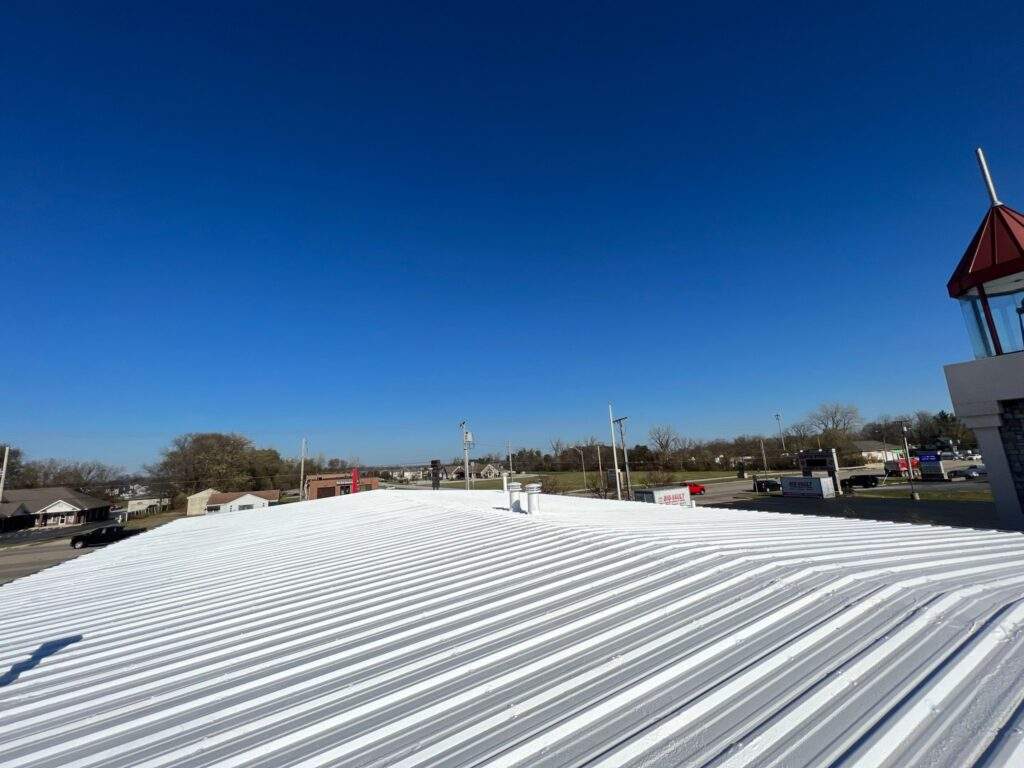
(400,628)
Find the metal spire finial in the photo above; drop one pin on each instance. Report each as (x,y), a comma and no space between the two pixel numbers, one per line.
(987,176)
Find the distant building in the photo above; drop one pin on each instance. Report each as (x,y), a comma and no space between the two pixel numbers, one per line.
(324,486)
(458,471)
(875,452)
(197,502)
(146,505)
(404,473)
(241,500)
(50,508)
(14,516)
(491,471)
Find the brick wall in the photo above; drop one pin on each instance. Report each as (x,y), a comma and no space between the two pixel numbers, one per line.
(1012,433)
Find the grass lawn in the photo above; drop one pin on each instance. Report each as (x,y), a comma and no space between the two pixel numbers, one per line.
(574,480)
(154,520)
(928,494)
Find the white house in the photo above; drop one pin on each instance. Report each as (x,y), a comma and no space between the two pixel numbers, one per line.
(233,502)
(197,502)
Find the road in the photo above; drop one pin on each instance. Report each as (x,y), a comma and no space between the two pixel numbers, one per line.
(31,550)
(23,559)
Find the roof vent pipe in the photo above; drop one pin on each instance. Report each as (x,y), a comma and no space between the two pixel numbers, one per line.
(513,497)
(987,176)
(533,499)
(504,482)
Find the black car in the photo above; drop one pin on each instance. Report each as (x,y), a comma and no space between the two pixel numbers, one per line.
(104,535)
(767,485)
(859,481)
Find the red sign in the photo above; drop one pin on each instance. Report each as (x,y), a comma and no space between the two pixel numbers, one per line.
(355,479)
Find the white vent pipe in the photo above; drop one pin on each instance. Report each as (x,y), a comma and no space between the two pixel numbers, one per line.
(533,499)
(513,497)
(504,482)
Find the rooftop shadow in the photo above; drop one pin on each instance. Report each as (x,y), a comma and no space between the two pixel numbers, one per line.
(46,649)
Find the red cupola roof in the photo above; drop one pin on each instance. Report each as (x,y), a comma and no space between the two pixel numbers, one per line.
(996,251)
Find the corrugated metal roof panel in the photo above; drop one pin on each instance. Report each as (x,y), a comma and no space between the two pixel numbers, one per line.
(425,629)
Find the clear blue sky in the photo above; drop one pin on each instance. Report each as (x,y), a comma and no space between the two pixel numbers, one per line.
(364,225)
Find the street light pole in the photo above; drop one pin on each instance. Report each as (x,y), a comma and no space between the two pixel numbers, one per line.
(467,442)
(782,435)
(615,455)
(625,454)
(3,472)
(302,472)
(583,461)
(910,466)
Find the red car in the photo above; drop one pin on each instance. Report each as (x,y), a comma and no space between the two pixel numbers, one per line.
(696,489)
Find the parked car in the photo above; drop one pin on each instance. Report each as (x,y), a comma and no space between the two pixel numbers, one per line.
(973,457)
(767,485)
(104,535)
(968,473)
(864,481)
(696,489)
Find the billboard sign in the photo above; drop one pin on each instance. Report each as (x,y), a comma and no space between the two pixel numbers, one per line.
(808,487)
(674,495)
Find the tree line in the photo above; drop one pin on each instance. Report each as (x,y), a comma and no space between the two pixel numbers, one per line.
(830,425)
(225,461)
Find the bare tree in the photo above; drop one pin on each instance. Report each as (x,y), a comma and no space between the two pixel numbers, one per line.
(800,436)
(885,429)
(664,442)
(87,476)
(558,447)
(834,417)
(663,438)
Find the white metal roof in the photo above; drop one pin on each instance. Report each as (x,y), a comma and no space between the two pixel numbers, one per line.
(435,628)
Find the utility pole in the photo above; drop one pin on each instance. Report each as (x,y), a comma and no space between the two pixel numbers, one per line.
(625,454)
(302,472)
(467,443)
(600,469)
(3,472)
(583,461)
(782,435)
(508,447)
(910,466)
(764,457)
(615,456)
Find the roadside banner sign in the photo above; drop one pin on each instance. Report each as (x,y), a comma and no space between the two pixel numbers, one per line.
(809,487)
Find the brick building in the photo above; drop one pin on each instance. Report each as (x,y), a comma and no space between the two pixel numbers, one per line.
(338,484)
